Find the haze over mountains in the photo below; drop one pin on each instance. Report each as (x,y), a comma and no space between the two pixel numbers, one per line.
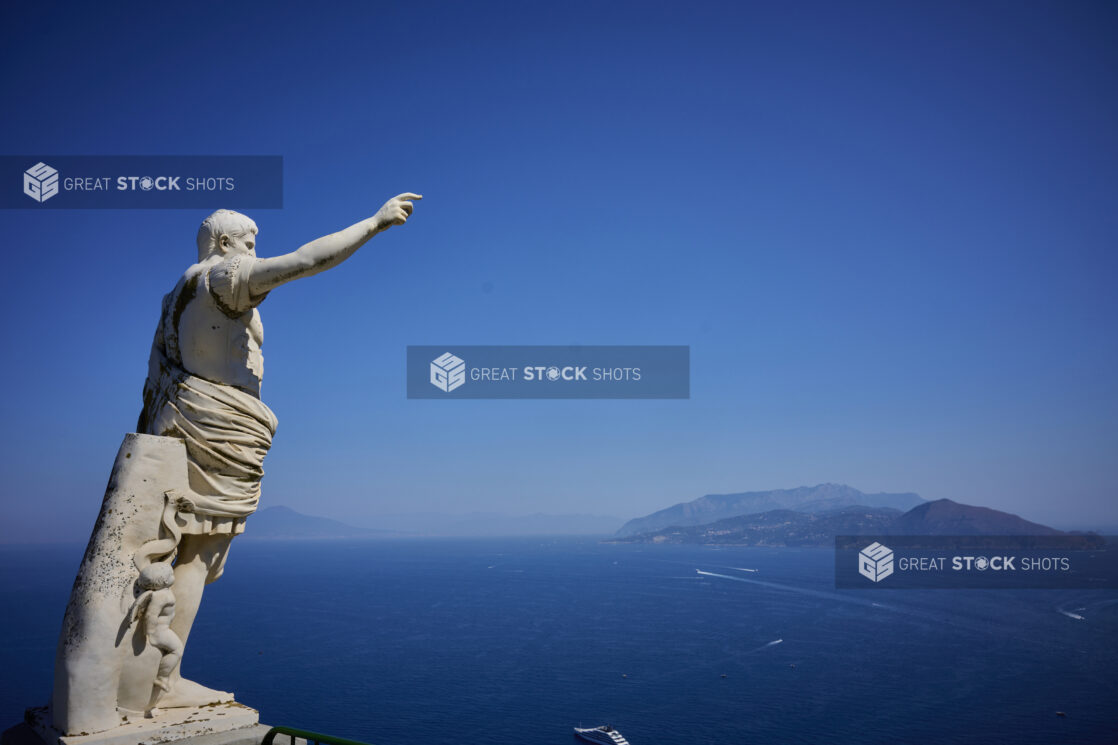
(808,499)
(945,517)
(804,516)
(284,522)
(784,527)
(489,524)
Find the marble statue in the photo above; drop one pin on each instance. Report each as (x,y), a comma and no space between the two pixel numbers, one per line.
(184,483)
(156,607)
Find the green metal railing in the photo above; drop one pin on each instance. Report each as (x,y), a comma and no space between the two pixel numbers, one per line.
(310,737)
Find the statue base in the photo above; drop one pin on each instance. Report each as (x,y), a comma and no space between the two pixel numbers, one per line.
(215,724)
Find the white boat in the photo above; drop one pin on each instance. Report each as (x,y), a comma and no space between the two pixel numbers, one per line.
(604,735)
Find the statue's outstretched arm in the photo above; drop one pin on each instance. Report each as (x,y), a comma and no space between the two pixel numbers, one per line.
(330,250)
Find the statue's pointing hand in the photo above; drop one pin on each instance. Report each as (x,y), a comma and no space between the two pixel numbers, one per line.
(397,209)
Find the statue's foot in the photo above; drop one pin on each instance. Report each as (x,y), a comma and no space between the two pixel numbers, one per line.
(188,693)
(152,713)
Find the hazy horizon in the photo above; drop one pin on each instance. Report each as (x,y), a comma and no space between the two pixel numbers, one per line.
(464,524)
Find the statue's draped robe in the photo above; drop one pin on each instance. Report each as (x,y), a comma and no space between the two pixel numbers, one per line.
(203,387)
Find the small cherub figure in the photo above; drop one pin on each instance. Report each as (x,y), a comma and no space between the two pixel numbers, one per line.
(157,608)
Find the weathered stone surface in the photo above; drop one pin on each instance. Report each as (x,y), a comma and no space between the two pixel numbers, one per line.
(102,660)
(217,724)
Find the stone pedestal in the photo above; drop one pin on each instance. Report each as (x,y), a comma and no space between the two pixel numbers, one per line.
(103,664)
(216,724)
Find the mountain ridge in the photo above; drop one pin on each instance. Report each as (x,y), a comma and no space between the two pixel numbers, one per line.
(784,527)
(283,522)
(809,499)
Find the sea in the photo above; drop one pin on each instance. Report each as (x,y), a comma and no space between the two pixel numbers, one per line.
(518,640)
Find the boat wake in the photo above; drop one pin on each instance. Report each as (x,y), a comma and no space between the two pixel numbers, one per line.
(853,599)
(1069,614)
(764,647)
(789,588)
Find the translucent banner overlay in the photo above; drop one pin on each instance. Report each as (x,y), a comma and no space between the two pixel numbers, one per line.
(549,372)
(141,181)
(899,562)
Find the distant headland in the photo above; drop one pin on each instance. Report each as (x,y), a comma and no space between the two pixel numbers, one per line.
(814,515)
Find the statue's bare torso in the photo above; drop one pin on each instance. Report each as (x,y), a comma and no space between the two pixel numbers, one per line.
(215,341)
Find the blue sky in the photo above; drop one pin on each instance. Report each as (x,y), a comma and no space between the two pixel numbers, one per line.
(886,230)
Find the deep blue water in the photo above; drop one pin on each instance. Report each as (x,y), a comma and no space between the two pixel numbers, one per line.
(518,640)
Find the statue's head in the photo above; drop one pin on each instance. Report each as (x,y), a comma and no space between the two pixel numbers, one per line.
(226,231)
(157,576)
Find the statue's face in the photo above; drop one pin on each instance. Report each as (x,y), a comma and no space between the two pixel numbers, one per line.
(239,244)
